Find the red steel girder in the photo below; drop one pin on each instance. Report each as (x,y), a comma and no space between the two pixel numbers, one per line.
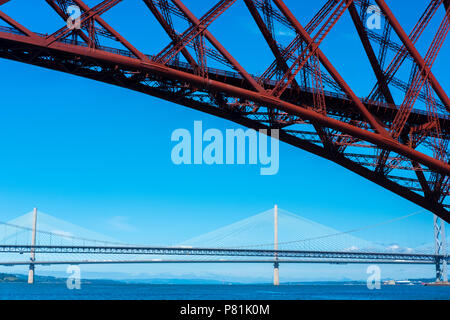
(219,47)
(414,53)
(86,16)
(16,25)
(340,160)
(296,44)
(419,81)
(233,96)
(281,62)
(194,31)
(302,111)
(402,53)
(168,28)
(371,54)
(119,37)
(334,73)
(64,15)
(311,48)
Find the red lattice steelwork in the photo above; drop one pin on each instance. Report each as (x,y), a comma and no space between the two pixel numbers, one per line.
(397,136)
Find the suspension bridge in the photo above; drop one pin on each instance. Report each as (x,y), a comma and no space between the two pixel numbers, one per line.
(301,242)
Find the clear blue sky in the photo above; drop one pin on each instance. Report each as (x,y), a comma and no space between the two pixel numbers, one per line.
(99,156)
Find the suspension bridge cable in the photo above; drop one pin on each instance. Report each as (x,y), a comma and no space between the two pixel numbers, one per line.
(60,235)
(340,233)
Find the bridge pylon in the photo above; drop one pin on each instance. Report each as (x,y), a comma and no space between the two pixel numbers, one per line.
(32,252)
(276,265)
(440,250)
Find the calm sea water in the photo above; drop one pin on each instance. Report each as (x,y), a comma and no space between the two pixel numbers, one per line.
(20,291)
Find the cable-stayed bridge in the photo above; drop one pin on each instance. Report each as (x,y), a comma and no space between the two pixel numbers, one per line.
(273,237)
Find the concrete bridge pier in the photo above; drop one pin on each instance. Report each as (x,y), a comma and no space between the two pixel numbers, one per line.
(276,274)
(276,266)
(31,274)
(440,250)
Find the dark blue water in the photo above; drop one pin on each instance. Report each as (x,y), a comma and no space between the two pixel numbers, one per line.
(14,291)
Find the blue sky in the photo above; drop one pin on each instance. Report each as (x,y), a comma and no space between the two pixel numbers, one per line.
(99,156)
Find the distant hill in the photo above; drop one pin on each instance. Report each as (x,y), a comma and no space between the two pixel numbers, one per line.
(179,282)
(10,278)
(13,278)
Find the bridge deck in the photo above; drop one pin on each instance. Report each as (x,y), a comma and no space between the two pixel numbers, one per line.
(220,252)
(223,261)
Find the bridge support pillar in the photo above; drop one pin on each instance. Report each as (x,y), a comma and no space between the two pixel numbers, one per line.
(444,271)
(276,274)
(32,253)
(440,250)
(276,266)
(31,274)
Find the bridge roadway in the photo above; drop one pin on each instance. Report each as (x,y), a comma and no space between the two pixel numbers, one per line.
(310,256)
(221,261)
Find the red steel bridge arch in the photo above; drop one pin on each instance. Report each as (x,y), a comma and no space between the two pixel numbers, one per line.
(396,137)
